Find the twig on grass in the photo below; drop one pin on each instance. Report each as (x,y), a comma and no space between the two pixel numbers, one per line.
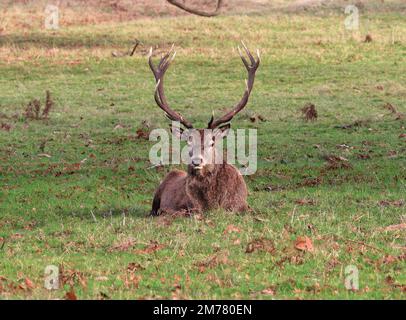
(93,216)
(137,42)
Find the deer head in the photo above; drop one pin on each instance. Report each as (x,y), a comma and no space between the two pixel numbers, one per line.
(201,142)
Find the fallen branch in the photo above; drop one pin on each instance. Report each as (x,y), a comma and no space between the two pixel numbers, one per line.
(196,11)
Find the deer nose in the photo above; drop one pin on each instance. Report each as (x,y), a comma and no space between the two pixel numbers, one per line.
(197,161)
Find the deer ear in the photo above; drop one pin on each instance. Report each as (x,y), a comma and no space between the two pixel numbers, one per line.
(222,131)
(177,132)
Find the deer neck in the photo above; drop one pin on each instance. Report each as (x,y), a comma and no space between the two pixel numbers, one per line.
(202,186)
(208,173)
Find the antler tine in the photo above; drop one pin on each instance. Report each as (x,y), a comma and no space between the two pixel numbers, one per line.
(164,60)
(249,83)
(159,95)
(242,58)
(248,53)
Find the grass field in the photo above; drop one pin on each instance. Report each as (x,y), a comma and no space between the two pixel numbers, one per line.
(76,188)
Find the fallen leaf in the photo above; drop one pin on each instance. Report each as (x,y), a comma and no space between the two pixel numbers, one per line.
(123,245)
(337,162)
(268,291)
(303,202)
(72,277)
(363,156)
(133,266)
(29,283)
(132,280)
(71,168)
(311,182)
(261,244)
(368,38)
(309,112)
(304,244)
(231,228)
(152,247)
(218,258)
(389,259)
(332,263)
(142,134)
(70,295)
(395,203)
(5,126)
(17,236)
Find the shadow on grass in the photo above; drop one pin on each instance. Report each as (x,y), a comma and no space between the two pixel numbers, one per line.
(138,212)
(68,41)
(319,8)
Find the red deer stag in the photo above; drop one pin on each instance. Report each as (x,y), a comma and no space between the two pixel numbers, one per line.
(206,185)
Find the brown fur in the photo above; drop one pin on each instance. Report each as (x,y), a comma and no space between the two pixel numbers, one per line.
(215,186)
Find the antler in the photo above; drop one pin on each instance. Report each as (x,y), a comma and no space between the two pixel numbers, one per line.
(160,98)
(251,68)
(196,11)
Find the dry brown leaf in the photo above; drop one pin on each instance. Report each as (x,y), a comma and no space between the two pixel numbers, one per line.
(261,244)
(70,295)
(29,283)
(133,266)
(304,244)
(337,162)
(303,202)
(5,126)
(71,168)
(131,280)
(231,228)
(142,134)
(220,257)
(309,112)
(71,277)
(395,203)
(388,259)
(269,291)
(152,247)
(123,245)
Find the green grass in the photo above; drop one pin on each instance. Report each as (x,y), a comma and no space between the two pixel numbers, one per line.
(79,219)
